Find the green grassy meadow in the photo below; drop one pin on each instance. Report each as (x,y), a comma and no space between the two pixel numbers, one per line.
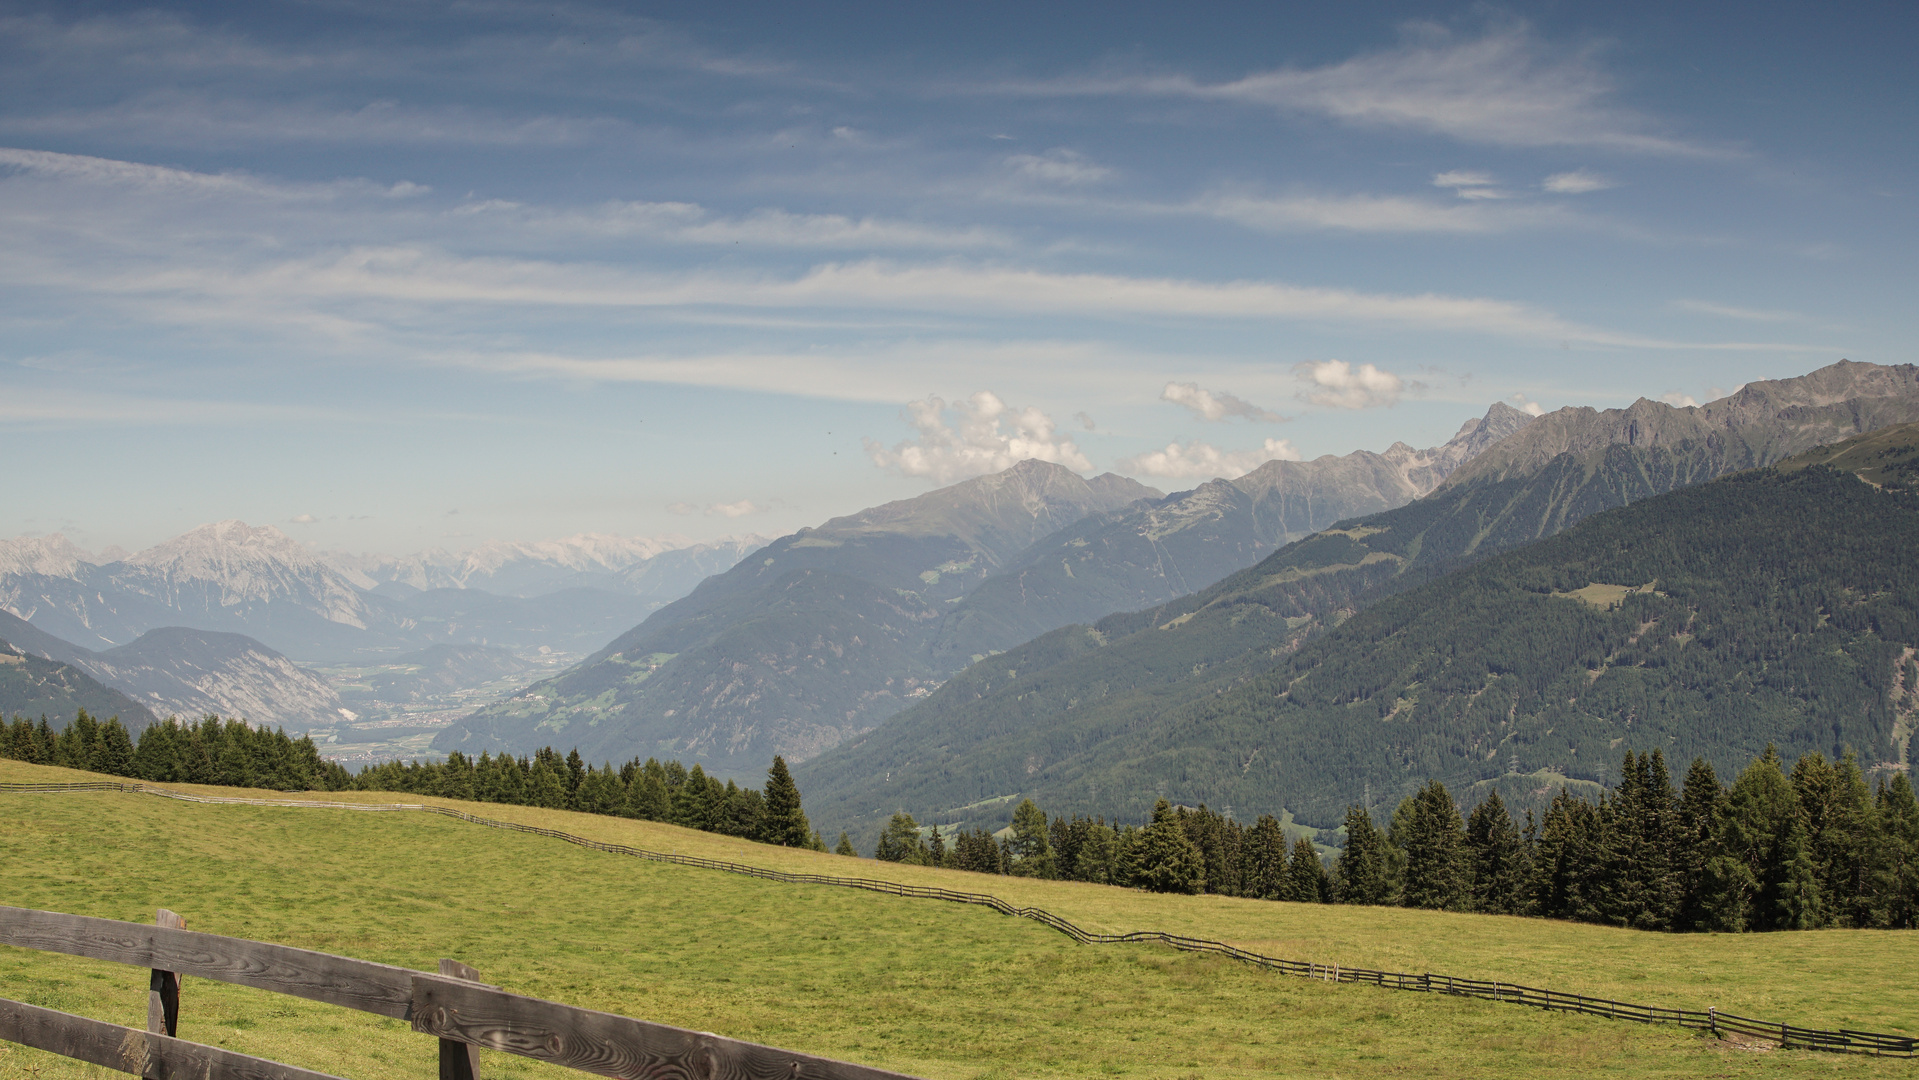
(939,990)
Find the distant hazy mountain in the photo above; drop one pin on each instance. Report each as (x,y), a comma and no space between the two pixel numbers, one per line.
(570,596)
(33,686)
(1151,552)
(435,670)
(228,577)
(176,671)
(657,569)
(1110,683)
(818,635)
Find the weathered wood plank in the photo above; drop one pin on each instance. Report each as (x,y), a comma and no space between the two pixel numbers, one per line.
(458,1060)
(605,1044)
(316,976)
(163,987)
(131,1050)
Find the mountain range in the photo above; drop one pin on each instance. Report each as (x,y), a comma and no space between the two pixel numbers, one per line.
(1020,722)
(827,632)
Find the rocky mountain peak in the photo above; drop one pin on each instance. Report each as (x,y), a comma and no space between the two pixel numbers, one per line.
(52,556)
(230,563)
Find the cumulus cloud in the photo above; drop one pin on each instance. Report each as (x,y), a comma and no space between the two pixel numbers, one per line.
(1335,384)
(1068,167)
(1577,182)
(1216,404)
(978,441)
(1678,400)
(1526,405)
(1199,459)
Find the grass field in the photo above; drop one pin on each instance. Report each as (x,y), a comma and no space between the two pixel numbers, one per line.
(924,987)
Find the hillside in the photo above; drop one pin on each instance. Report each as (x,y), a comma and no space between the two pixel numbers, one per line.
(938,990)
(33,686)
(1181,701)
(825,633)
(176,671)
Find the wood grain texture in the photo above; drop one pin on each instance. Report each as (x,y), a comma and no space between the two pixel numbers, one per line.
(316,976)
(605,1044)
(163,987)
(458,1060)
(131,1050)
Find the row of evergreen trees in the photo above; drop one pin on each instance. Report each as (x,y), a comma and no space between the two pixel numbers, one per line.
(1814,848)
(232,754)
(211,751)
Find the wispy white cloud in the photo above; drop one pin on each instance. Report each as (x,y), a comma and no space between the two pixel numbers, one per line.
(1216,404)
(1577,182)
(1727,311)
(1372,213)
(690,223)
(975,443)
(1200,459)
(1503,88)
(1336,384)
(1059,166)
(1679,400)
(302,519)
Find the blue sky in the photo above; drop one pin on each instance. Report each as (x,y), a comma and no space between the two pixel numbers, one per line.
(395,275)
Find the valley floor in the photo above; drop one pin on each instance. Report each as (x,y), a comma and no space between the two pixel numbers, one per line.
(920,986)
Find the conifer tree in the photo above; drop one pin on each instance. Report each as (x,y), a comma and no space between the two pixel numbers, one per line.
(1305,875)
(1029,850)
(1695,834)
(936,848)
(1896,855)
(1094,861)
(845,847)
(1167,860)
(1438,874)
(1496,858)
(1363,867)
(1764,833)
(900,841)
(782,820)
(1266,873)
(1837,808)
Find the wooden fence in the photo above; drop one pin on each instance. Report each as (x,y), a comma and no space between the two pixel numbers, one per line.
(1710,1020)
(452,1005)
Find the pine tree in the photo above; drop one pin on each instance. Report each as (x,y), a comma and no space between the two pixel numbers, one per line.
(1363,868)
(1764,831)
(1167,860)
(782,821)
(1496,857)
(845,847)
(936,848)
(1437,870)
(900,841)
(1305,875)
(1837,808)
(1030,851)
(1695,833)
(1267,876)
(1097,853)
(1896,861)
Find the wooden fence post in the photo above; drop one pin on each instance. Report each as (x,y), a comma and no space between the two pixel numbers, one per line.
(458,1060)
(163,989)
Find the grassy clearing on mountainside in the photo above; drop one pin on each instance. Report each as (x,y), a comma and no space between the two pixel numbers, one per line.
(920,986)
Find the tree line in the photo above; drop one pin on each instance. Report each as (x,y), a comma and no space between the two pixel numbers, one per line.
(1811,847)
(230,753)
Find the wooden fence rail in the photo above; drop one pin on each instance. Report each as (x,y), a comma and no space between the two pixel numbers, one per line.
(1710,1020)
(451,1005)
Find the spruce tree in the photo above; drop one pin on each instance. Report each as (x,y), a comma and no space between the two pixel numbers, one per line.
(1437,870)
(782,821)
(1496,856)
(1029,849)
(1362,867)
(1167,860)
(900,841)
(1305,875)
(1094,861)
(1764,831)
(845,847)
(1896,855)
(1266,873)
(1695,833)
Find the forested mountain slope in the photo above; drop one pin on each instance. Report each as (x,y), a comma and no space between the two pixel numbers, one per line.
(1151,552)
(1081,685)
(32,686)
